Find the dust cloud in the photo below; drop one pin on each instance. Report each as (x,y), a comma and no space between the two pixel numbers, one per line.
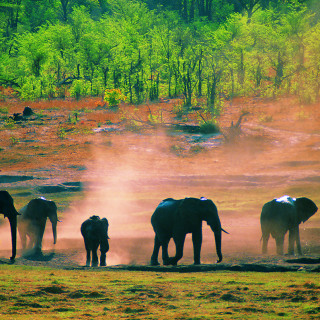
(126,180)
(121,185)
(129,174)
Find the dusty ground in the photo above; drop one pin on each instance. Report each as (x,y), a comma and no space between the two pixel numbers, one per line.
(115,163)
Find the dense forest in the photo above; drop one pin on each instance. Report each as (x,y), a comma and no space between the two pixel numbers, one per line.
(201,50)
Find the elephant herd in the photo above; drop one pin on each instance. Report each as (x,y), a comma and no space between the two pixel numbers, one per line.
(172,219)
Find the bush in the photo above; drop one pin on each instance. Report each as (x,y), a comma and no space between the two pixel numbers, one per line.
(113,97)
(31,89)
(209,127)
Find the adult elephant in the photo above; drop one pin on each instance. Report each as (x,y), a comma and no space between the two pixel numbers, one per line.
(175,218)
(95,234)
(285,214)
(8,210)
(32,223)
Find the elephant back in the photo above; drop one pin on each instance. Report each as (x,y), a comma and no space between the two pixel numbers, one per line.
(278,216)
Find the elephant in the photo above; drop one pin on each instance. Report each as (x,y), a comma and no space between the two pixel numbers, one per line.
(283,214)
(32,223)
(95,233)
(8,210)
(175,218)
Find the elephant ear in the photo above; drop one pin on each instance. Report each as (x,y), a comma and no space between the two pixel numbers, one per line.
(6,203)
(305,208)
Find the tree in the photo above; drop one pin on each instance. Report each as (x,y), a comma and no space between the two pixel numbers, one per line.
(250,6)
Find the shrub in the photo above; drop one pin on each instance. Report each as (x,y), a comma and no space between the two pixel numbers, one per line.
(209,127)
(31,89)
(113,97)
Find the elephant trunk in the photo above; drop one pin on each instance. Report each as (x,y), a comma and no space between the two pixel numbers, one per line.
(13,227)
(54,231)
(217,237)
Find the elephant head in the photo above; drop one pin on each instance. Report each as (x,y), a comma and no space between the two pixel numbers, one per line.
(204,210)
(305,208)
(8,210)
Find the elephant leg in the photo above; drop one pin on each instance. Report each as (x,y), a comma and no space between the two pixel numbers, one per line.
(88,257)
(23,238)
(103,259)
(197,242)
(298,242)
(165,255)
(31,242)
(95,256)
(88,254)
(179,242)
(23,234)
(292,238)
(265,239)
(279,243)
(39,236)
(155,253)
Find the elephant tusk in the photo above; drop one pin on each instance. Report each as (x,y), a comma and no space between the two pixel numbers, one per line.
(225,231)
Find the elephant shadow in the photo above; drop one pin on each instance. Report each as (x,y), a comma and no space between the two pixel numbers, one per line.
(38,256)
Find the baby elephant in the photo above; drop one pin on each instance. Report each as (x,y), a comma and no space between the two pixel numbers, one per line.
(95,234)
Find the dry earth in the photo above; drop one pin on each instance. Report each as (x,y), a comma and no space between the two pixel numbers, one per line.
(118,164)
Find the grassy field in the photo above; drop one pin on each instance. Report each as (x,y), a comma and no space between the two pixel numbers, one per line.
(41,293)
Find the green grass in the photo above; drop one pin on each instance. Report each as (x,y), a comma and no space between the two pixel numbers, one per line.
(41,293)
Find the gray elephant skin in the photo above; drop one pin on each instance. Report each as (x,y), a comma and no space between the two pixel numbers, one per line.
(8,210)
(175,219)
(95,234)
(32,223)
(282,215)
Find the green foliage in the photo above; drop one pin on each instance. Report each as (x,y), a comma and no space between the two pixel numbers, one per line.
(209,127)
(210,51)
(31,89)
(79,88)
(113,97)
(73,117)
